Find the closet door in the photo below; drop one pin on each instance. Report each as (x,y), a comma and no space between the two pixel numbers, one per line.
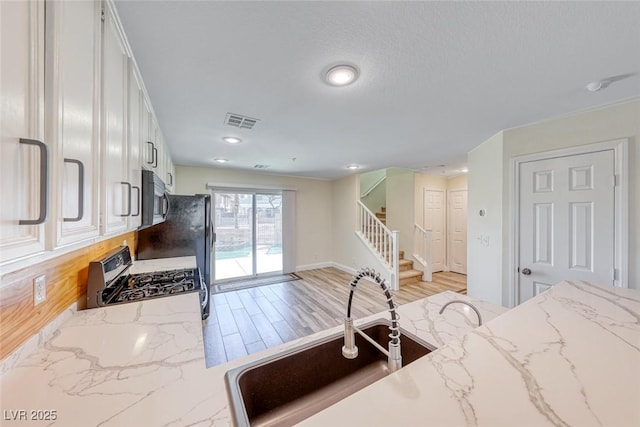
(24,176)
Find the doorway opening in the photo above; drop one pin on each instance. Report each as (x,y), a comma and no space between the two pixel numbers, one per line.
(248,234)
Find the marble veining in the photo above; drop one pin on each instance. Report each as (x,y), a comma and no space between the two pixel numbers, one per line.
(143,363)
(568,357)
(38,340)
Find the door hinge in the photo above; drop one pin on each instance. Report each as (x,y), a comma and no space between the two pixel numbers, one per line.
(614,274)
(102,17)
(615,181)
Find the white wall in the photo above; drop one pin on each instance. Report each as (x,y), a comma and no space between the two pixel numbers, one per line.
(460,182)
(313,206)
(491,181)
(377,196)
(400,206)
(484,233)
(349,252)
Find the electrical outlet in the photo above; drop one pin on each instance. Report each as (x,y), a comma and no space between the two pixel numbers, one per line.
(39,289)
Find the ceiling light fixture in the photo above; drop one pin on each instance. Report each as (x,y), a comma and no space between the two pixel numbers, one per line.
(598,85)
(341,75)
(231,139)
(221,160)
(353,167)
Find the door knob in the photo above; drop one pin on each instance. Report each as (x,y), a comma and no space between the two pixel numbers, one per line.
(526,271)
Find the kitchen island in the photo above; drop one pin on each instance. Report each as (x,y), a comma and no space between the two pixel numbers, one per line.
(567,357)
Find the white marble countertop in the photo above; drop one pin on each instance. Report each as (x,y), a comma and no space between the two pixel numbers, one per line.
(142,364)
(569,357)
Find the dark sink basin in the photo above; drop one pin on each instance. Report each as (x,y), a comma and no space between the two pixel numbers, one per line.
(288,387)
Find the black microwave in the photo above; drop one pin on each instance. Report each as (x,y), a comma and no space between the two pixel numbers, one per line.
(155,203)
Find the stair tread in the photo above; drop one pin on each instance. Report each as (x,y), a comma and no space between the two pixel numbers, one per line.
(410,273)
(405,261)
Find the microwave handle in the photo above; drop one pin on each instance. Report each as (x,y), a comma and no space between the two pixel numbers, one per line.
(165,206)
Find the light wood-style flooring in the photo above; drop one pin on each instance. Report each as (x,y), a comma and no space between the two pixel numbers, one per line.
(249,320)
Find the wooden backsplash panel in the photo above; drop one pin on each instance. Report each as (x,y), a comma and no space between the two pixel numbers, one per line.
(66,278)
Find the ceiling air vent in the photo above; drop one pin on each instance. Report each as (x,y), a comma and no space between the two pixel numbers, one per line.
(261,166)
(239,121)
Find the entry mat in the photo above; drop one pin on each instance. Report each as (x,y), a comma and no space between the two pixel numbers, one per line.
(252,283)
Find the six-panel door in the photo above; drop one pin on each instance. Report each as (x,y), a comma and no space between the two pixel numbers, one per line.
(566,221)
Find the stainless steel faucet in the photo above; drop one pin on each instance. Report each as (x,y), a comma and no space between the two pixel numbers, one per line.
(350,350)
(465,303)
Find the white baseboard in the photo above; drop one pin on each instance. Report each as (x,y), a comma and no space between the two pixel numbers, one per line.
(314,266)
(343,268)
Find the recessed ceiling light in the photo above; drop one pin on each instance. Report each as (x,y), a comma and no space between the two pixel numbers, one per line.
(353,167)
(231,139)
(341,75)
(221,160)
(598,85)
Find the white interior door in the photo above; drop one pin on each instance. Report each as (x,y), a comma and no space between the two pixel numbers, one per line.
(434,219)
(458,231)
(567,228)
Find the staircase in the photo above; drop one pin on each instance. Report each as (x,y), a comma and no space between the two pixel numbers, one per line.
(407,273)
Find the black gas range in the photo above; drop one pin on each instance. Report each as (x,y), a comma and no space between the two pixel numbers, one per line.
(110,282)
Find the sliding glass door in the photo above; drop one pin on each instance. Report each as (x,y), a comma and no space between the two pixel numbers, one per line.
(248,229)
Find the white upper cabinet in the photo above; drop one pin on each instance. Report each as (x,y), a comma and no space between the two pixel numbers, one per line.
(135,141)
(72,114)
(116,188)
(148,139)
(171,174)
(76,127)
(24,175)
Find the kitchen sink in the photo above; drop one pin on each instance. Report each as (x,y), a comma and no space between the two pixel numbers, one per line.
(290,386)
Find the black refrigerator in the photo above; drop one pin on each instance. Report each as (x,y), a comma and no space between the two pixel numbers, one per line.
(186,231)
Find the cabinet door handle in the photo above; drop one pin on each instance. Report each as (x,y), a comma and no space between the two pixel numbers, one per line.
(155,157)
(80,191)
(135,187)
(128,198)
(44,182)
(153,147)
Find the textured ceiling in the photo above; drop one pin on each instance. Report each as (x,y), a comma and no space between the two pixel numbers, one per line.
(436,78)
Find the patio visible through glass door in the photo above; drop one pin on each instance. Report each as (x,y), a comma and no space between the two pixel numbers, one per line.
(248,229)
